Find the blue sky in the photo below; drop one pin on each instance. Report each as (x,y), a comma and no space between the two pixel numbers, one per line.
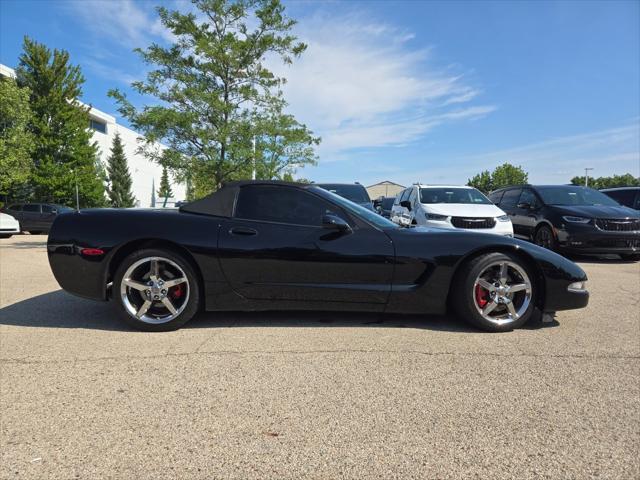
(410,91)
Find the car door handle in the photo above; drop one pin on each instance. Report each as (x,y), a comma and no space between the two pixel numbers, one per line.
(243,231)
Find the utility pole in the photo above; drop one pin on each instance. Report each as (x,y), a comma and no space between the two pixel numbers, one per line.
(253,172)
(586,176)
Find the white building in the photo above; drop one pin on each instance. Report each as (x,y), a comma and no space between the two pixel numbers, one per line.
(144,173)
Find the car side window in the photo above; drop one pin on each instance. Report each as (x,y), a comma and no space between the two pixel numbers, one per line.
(495,197)
(31,208)
(510,198)
(268,203)
(16,208)
(47,209)
(637,203)
(527,196)
(623,197)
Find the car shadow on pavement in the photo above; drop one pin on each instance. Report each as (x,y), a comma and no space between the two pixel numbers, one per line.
(61,310)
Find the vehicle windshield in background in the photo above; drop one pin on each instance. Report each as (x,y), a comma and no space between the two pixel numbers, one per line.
(581,196)
(355,193)
(387,203)
(359,210)
(452,195)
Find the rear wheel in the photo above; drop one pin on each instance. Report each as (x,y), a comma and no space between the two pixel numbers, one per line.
(156,290)
(544,237)
(495,292)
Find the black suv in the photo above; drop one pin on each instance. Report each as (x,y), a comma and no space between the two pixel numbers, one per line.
(351,191)
(627,196)
(571,218)
(35,217)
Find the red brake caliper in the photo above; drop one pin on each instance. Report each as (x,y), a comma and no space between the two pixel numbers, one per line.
(481,296)
(177,291)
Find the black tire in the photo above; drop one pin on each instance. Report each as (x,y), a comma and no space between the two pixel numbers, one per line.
(6,235)
(630,257)
(35,232)
(192,304)
(544,237)
(463,294)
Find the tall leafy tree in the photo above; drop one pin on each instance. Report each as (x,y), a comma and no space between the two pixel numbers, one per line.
(16,141)
(626,180)
(165,186)
(119,177)
(502,176)
(217,95)
(63,152)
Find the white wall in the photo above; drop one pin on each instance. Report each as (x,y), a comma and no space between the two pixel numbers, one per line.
(143,172)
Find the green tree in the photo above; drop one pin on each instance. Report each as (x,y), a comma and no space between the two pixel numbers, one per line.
(119,177)
(63,151)
(16,141)
(216,95)
(165,186)
(626,180)
(502,176)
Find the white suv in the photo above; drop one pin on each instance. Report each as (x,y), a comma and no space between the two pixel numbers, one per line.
(453,207)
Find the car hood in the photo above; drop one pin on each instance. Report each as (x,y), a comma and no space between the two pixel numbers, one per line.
(596,211)
(7,221)
(463,209)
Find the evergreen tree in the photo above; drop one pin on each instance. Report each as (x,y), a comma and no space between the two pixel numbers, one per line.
(119,178)
(63,151)
(16,141)
(165,186)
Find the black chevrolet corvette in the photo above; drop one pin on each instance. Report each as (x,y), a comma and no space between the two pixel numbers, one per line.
(274,246)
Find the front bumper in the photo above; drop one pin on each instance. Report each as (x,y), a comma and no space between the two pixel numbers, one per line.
(589,239)
(501,228)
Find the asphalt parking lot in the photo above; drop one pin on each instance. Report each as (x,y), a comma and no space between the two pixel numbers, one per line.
(314,395)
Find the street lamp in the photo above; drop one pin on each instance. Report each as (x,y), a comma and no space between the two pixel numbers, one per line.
(586,176)
(75,177)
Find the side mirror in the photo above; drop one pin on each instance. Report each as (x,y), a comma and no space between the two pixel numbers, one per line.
(406,204)
(376,203)
(54,211)
(333,222)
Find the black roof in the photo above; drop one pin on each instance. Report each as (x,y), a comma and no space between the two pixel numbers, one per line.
(220,203)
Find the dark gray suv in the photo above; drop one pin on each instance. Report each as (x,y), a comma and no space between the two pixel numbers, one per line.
(35,217)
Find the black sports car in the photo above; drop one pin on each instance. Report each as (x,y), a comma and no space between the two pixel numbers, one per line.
(274,246)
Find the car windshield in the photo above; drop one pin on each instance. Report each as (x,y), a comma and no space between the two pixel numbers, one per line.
(355,193)
(452,195)
(387,202)
(358,210)
(582,196)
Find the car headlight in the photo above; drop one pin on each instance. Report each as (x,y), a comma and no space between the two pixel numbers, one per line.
(571,219)
(577,287)
(503,218)
(437,217)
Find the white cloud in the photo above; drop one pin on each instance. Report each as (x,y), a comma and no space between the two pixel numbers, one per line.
(556,160)
(361,84)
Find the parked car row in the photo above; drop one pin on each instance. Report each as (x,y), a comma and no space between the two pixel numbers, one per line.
(34,217)
(569,218)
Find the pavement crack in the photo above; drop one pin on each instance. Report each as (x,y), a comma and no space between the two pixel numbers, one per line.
(577,356)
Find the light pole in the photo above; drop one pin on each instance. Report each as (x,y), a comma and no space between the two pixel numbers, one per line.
(586,176)
(253,171)
(75,177)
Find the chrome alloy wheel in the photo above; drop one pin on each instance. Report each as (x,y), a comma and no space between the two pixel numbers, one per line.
(154,290)
(502,292)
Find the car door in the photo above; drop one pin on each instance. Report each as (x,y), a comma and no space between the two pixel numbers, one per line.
(31,217)
(508,204)
(48,215)
(275,248)
(524,216)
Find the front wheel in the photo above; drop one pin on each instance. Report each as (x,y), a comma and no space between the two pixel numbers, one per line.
(495,292)
(156,290)
(544,237)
